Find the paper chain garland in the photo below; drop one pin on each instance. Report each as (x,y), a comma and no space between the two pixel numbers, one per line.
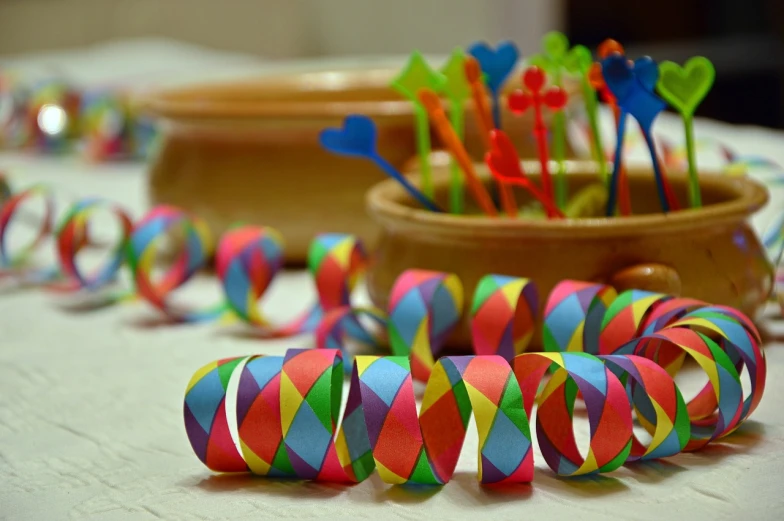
(620,352)
(287,407)
(247,258)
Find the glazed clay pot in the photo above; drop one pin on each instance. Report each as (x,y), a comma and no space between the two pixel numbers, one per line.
(248,151)
(710,253)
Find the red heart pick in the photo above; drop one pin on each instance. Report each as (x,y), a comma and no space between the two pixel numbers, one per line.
(504,164)
(555,98)
(519,102)
(502,159)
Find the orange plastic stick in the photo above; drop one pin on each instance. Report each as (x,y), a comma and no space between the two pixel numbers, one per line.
(473,74)
(432,104)
(481,105)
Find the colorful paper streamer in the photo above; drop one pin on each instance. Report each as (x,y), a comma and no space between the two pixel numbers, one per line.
(287,407)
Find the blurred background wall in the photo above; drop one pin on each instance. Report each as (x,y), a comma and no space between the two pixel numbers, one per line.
(278,28)
(742,37)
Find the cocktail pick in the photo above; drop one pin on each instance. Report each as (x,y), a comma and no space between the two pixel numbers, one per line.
(432,104)
(553,61)
(684,88)
(473,75)
(415,75)
(537,96)
(607,48)
(578,62)
(632,85)
(504,163)
(456,89)
(357,138)
(497,64)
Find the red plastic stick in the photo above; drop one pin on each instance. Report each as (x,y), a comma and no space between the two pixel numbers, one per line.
(536,97)
(505,166)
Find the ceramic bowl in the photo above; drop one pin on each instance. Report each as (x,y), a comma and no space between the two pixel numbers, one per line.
(710,253)
(248,151)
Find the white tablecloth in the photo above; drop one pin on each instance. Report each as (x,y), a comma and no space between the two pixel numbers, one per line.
(91,413)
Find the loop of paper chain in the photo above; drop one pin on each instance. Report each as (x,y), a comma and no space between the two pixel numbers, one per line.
(16,259)
(72,235)
(287,407)
(247,258)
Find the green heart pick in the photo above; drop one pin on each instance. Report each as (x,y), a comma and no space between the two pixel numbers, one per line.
(685,87)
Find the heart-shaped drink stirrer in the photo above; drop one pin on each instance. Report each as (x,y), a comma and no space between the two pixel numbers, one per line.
(504,163)
(632,85)
(684,88)
(497,64)
(537,96)
(357,138)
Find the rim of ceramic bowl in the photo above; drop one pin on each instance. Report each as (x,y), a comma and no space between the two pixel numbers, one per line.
(213,100)
(209,100)
(385,202)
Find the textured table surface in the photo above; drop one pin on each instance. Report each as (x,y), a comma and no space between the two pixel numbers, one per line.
(91,414)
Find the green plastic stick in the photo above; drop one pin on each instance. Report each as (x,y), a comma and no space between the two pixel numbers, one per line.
(695,198)
(417,74)
(457,90)
(553,60)
(579,63)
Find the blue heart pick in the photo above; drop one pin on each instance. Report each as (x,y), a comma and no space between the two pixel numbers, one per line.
(633,87)
(647,72)
(496,63)
(357,137)
(618,76)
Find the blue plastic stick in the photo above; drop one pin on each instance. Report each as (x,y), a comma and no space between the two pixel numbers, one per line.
(657,172)
(357,138)
(397,176)
(616,164)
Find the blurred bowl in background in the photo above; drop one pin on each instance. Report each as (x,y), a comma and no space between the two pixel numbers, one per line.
(248,151)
